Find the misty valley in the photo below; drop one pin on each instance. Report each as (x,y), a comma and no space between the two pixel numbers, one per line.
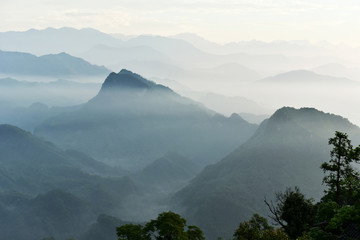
(106,137)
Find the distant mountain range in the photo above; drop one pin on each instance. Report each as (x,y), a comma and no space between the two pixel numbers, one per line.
(54,65)
(286,151)
(188,61)
(179,51)
(133,120)
(51,40)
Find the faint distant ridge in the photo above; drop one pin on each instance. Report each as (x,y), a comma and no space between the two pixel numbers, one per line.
(47,40)
(126,79)
(11,82)
(305,76)
(55,65)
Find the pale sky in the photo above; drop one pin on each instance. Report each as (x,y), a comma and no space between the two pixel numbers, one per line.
(336,21)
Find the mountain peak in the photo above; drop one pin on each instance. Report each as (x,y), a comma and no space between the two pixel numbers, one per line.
(307,121)
(127,80)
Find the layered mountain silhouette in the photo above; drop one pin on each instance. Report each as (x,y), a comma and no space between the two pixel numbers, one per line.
(54,65)
(31,165)
(47,192)
(132,121)
(286,151)
(81,42)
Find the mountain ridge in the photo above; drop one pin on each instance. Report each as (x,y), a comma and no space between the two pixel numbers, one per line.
(286,151)
(54,65)
(305,76)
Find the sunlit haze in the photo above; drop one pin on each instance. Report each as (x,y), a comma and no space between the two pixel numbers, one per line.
(334,21)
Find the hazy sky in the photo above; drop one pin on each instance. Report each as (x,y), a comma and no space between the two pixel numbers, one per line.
(218,20)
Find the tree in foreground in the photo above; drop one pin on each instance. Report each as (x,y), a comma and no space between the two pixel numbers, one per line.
(167,226)
(342,180)
(339,209)
(293,212)
(131,232)
(258,229)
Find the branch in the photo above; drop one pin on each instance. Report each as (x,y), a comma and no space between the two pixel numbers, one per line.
(275,214)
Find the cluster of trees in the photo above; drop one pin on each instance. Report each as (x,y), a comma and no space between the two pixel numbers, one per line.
(336,216)
(167,226)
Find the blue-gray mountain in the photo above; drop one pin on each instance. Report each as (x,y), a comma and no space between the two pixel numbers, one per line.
(133,121)
(286,151)
(34,176)
(54,65)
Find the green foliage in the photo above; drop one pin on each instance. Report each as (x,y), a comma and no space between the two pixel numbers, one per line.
(131,232)
(275,234)
(318,233)
(293,212)
(252,229)
(167,226)
(345,215)
(342,179)
(258,228)
(195,233)
(326,210)
(340,207)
